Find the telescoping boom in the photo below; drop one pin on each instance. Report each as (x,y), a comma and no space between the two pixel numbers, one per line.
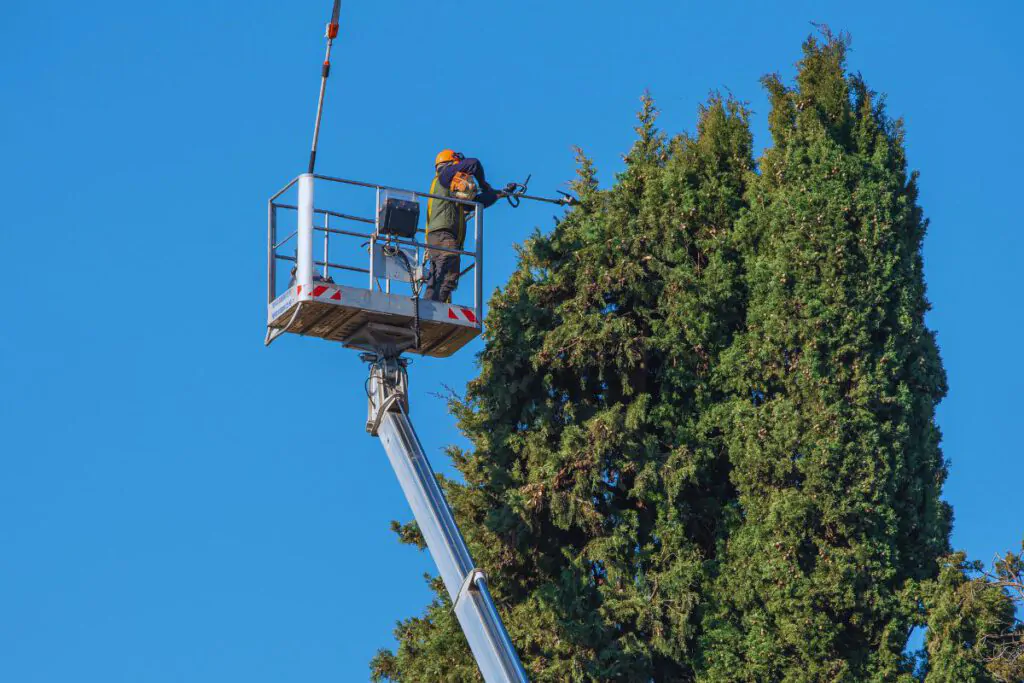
(466,584)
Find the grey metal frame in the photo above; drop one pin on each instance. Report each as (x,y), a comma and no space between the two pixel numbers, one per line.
(273,245)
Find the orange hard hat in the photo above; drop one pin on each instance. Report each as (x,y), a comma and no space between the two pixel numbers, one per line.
(446,156)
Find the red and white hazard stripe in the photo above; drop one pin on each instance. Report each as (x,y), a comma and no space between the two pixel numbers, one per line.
(323,292)
(462,314)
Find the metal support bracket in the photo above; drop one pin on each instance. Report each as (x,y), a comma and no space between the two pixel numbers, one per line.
(387,388)
(469,585)
(383,340)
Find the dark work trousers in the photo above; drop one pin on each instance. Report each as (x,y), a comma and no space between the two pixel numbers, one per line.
(444,267)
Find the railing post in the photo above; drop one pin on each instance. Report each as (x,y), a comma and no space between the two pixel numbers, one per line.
(327,245)
(271,252)
(304,255)
(478,281)
(373,237)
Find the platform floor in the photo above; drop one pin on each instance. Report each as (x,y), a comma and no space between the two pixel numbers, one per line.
(340,313)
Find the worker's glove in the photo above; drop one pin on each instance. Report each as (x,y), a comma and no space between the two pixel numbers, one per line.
(511,188)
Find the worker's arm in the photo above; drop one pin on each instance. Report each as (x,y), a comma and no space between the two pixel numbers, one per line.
(487,195)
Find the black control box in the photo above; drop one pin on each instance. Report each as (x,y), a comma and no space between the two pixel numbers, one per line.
(399,217)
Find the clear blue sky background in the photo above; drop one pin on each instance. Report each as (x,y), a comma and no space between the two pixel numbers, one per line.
(178,503)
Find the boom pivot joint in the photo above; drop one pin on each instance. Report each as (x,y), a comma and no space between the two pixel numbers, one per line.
(387,387)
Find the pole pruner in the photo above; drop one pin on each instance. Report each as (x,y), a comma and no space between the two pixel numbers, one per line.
(325,71)
(516,192)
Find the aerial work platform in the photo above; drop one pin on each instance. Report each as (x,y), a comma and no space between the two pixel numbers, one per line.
(379,303)
(351,315)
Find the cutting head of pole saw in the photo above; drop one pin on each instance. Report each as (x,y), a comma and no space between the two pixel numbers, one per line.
(567,199)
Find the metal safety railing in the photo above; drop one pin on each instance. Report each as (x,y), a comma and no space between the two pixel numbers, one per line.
(311,266)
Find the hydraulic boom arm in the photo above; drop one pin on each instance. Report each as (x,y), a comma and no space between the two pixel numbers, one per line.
(388,418)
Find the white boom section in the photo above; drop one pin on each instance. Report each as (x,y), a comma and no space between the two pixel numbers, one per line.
(467,586)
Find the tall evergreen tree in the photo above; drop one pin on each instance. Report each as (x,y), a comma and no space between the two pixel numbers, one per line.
(594,494)
(830,428)
(703,431)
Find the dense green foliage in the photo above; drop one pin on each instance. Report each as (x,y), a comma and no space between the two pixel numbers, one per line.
(837,462)
(703,430)
(973,632)
(595,493)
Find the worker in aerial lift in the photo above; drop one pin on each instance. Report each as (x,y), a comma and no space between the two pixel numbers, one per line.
(454,176)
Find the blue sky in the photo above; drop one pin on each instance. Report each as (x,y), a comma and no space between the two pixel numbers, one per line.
(179,503)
